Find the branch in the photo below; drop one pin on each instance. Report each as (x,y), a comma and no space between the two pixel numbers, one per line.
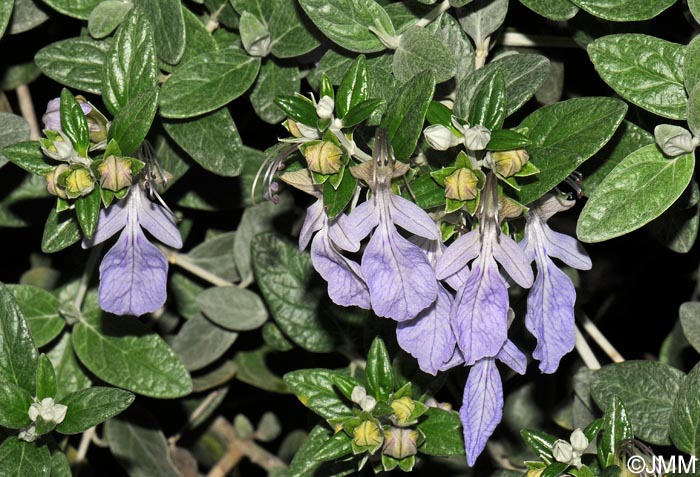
(26,106)
(600,339)
(585,351)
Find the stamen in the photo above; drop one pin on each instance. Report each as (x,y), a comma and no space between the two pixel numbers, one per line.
(270,168)
(574,180)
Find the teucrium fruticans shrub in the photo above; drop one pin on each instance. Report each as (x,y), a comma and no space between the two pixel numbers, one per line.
(436,155)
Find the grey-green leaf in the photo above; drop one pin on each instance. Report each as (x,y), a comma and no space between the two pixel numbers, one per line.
(213,142)
(458,44)
(273,80)
(564,135)
(40,309)
(315,389)
(233,308)
(76,62)
(685,417)
(420,50)
(5,14)
(480,18)
(347,22)
(691,65)
(253,370)
(207,82)
(283,275)
(74,8)
(69,375)
(647,389)
(216,256)
(125,353)
(130,64)
(200,342)
(558,10)
(624,10)
(24,459)
(18,355)
(690,321)
(91,406)
(13,129)
(107,16)
(290,33)
(645,70)
(61,231)
(25,16)
(169,28)
(637,191)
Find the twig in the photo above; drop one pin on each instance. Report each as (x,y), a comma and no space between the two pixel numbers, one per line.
(433,14)
(213,22)
(26,106)
(195,415)
(185,263)
(600,339)
(238,448)
(85,441)
(482,51)
(537,41)
(585,351)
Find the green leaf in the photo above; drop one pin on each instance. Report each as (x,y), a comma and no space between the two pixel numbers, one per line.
(87,209)
(554,469)
(290,33)
(298,108)
(564,135)
(405,114)
(74,8)
(69,375)
(337,447)
(59,465)
(645,70)
(13,129)
(133,121)
(18,355)
(233,308)
(61,231)
(690,321)
(140,446)
(523,75)
(677,228)
(24,459)
(253,370)
(130,64)
(216,256)
(25,16)
(107,16)
(77,63)
(274,338)
(637,191)
(124,353)
(624,10)
(427,192)
(169,28)
(558,10)
(335,200)
(5,14)
(691,65)
(14,406)
(616,427)
(74,123)
(347,22)
(354,87)
(694,7)
(685,417)
(458,44)
(647,390)
(306,464)
(207,82)
(274,80)
(488,107)
(13,76)
(213,142)
(45,379)
(540,442)
(92,406)
(380,378)
(29,157)
(315,390)
(40,309)
(443,433)
(200,342)
(419,50)
(506,140)
(362,111)
(284,275)
(481,18)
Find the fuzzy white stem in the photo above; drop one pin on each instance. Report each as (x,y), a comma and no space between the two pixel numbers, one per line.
(585,351)
(26,106)
(601,340)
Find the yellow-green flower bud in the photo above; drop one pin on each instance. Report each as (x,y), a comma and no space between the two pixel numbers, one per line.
(403,408)
(535,472)
(97,122)
(367,434)
(52,184)
(115,173)
(324,157)
(461,184)
(400,442)
(79,182)
(510,162)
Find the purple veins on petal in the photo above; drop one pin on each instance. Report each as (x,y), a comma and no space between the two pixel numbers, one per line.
(514,261)
(412,218)
(456,257)
(512,357)
(482,407)
(314,220)
(479,313)
(429,337)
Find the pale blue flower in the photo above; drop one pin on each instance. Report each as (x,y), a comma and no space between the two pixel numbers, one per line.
(52,116)
(133,273)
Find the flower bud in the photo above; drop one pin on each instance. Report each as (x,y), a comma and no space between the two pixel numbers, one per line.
(28,434)
(57,146)
(562,451)
(403,408)
(440,137)
(323,157)
(476,138)
(400,442)
(579,441)
(52,183)
(254,35)
(367,434)
(462,184)
(674,140)
(48,410)
(79,182)
(510,162)
(300,130)
(535,472)
(324,108)
(52,116)
(115,173)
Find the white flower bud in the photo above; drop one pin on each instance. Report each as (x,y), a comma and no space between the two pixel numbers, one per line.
(48,410)
(358,394)
(325,107)
(674,140)
(440,137)
(562,451)
(28,434)
(476,138)
(579,441)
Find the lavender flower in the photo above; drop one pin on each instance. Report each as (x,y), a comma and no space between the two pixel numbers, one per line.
(401,281)
(52,116)
(479,314)
(346,286)
(550,303)
(133,273)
